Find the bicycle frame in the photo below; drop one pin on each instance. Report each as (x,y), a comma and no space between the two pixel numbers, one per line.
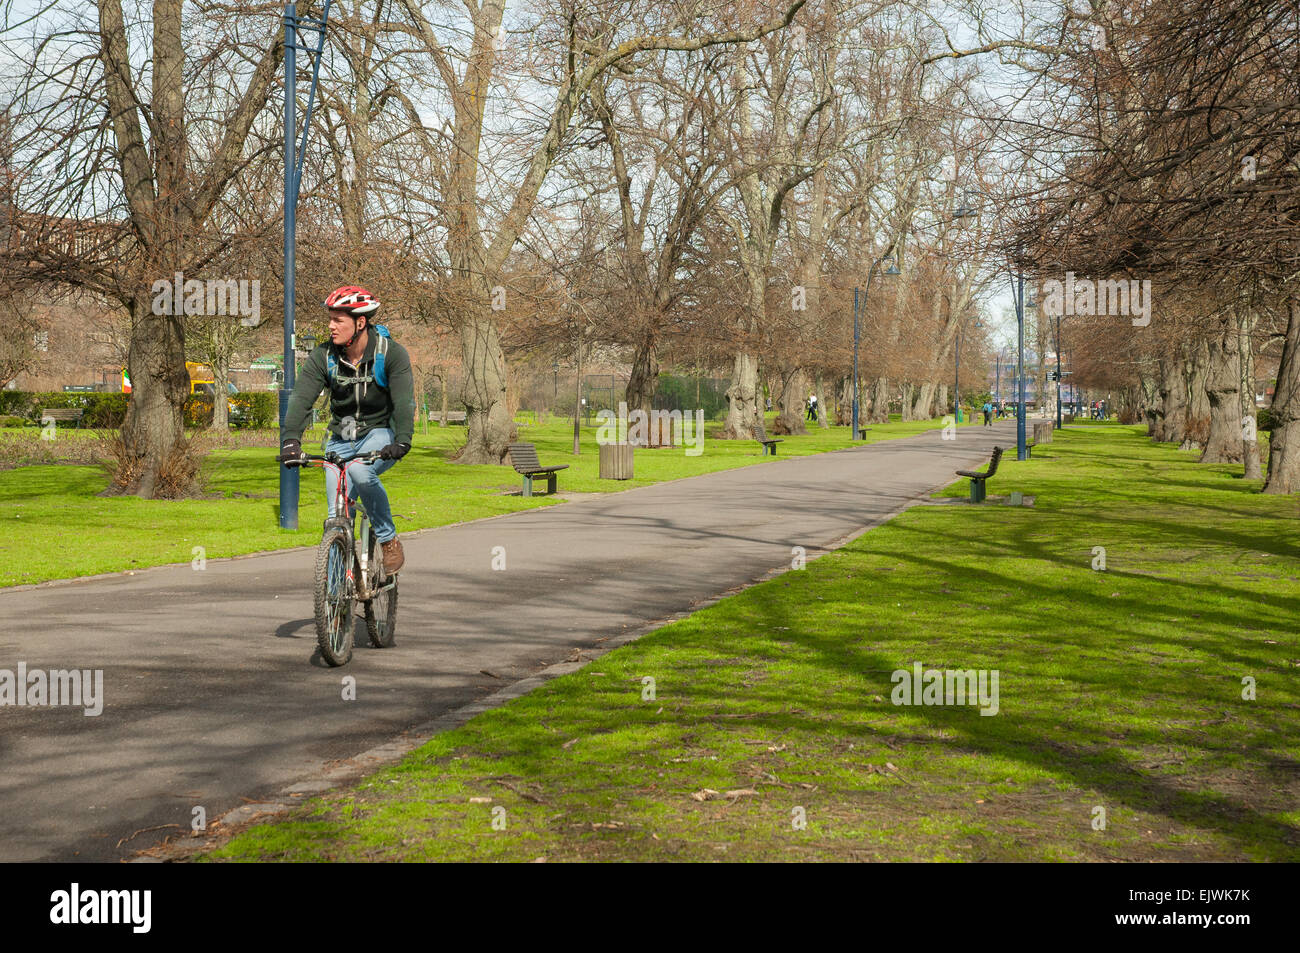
(343,510)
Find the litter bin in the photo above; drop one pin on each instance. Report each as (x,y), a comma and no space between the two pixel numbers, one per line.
(616,461)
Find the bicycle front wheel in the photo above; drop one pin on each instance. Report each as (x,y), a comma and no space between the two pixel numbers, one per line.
(334,593)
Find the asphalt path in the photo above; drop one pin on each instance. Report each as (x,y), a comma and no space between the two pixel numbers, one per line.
(214,693)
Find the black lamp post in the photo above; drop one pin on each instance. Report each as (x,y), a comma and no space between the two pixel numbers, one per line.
(956,382)
(1018,293)
(968,208)
(998,385)
(1058,372)
(891,270)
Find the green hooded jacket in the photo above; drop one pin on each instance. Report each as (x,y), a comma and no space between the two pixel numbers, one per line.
(354,393)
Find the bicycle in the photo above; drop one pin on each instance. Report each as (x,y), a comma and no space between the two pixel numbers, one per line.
(350,568)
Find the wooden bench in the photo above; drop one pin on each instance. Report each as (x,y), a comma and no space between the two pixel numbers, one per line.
(862,433)
(451,416)
(760,434)
(977,480)
(62,413)
(523,457)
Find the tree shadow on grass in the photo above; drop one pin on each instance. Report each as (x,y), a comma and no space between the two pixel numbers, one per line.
(1044,741)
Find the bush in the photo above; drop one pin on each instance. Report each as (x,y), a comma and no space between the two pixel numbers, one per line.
(14,402)
(198,410)
(253,409)
(99,409)
(107,411)
(179,477)
(1264,420)
(259,409)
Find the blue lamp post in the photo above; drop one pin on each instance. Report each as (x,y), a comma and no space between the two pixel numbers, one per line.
(293,159)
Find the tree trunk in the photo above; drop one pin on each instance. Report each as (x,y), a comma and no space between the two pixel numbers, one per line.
(154,428)
(1249,437)
(793,403)
(743,396)
(924,409)
(1223,391)
(577,399)
(1043,402)
(1047,400)
(1149,408)
(1173,402)
(488,422)
(942,402)
(1196,430)
(1284,441)
(644,378)
(844,407)
(909,412)
(220,400)
(820,390)
(880,401)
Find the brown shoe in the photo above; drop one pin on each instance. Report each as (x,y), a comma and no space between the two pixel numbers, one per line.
(393,555)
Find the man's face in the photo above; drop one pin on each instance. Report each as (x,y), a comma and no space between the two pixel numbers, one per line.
(342,326)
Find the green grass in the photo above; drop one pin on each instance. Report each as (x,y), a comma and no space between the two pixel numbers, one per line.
(1119,689)
(59,527)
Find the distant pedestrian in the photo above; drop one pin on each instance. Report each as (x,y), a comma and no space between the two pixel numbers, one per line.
(988,414)
(812,406)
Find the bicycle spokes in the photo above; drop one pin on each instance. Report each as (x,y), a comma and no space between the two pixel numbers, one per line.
(340,598)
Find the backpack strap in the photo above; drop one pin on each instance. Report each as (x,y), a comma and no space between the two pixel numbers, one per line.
(381,348)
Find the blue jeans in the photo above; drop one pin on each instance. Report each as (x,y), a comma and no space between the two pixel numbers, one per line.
(363,479)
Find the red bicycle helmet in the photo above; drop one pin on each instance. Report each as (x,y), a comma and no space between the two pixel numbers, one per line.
(353,299)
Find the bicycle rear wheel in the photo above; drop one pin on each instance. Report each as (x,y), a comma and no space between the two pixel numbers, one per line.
(381,610)
(334,594)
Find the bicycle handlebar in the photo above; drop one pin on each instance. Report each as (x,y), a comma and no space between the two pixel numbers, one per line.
(335,459)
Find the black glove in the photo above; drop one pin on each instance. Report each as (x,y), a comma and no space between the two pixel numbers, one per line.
(290,450)
(394,451)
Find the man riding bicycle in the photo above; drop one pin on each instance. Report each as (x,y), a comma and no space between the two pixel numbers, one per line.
(372,406)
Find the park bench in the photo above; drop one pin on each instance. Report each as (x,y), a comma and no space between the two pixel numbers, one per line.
(977,480)
(523,457)
(62,413)
(451,416)
(760,434)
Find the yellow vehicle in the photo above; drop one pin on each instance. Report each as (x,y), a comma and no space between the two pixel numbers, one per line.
(201,378)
